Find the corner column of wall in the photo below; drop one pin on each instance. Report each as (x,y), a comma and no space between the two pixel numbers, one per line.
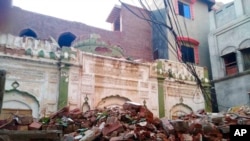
(63,87)
(161,102)
(212,20)
(239,61)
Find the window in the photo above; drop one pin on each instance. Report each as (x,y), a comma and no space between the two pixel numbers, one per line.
(230,63)
(188,50)
(184,10)
(246,58)
(66,39)
(117,24)
(187,54)
(27,33)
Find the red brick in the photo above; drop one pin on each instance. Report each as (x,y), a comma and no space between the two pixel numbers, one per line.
(109,128)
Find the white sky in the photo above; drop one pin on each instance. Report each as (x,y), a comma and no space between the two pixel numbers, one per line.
(90,12)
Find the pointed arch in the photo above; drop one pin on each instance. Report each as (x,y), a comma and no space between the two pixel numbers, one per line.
(66,39)
(28,32)
(15,99)
(244,48)
(228,50)
(244,44)
(179,110)
(113,100)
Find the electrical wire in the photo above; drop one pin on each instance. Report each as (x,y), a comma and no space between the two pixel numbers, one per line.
(152,20)
(176,31)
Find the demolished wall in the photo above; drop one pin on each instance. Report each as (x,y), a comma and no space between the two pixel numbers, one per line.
(57,78)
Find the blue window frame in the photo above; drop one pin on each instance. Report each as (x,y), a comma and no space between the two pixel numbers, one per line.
(184,10)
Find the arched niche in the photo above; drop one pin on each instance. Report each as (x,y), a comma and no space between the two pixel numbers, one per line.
(228,50)
(85,105)
(112,101)
(27,32)
(15,99)
(180,109)
(66,39)
(244,44)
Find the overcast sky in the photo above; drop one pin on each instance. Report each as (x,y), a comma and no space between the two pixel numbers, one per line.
(91,12)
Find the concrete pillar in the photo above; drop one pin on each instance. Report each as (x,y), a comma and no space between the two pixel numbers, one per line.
(63,86)
(161,102)
(239,61)
(238,5)
(212,20)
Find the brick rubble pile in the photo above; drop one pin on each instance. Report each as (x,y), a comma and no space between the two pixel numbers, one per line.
(134,122)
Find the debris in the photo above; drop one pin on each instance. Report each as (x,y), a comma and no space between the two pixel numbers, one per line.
(133,122)
(35,126)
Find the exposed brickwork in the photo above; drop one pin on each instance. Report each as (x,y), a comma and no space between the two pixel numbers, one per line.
(12,51)
(135,37)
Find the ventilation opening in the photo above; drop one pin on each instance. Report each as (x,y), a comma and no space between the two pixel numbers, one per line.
(66,39)
(28,33)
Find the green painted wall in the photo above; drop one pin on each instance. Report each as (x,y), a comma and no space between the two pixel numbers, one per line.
(161,98)
(63,88)
(207,92)
(160,80)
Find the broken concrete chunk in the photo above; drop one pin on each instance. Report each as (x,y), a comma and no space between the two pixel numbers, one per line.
(167,126)
(225,129)
(90,135)
(78,137)
(111,120)
(120,138)
(108,128)
(180,125)
(131,106)
(145,113)
(162,137)
(35,126)
(68,138)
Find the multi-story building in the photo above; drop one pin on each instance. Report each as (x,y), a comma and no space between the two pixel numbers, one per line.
(189,41)
(229,45)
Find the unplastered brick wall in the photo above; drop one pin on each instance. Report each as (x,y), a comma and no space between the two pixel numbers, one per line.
(137,32)
(134,39)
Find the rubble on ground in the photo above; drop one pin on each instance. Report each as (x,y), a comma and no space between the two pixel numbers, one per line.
(133,122)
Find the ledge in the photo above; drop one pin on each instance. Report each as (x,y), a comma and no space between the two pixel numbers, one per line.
(232,76)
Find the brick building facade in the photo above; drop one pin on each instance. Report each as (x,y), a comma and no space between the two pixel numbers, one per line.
(135,43)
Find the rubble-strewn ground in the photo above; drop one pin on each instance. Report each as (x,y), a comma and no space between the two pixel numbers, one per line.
(133,122)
